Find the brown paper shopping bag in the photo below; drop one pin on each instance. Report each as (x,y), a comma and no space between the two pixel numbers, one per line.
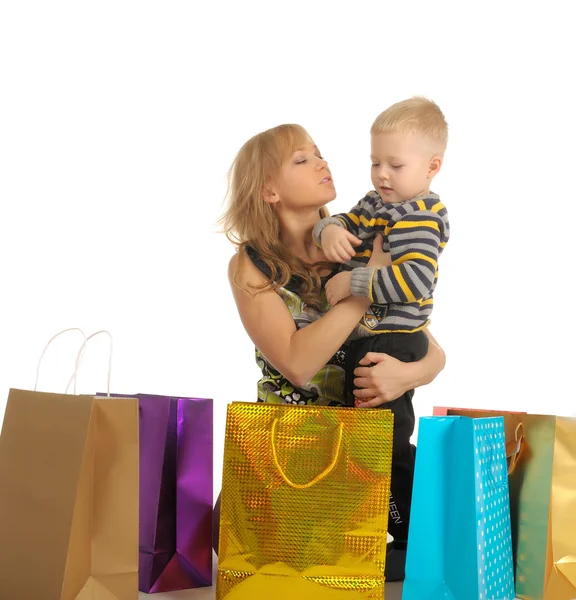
(68,497)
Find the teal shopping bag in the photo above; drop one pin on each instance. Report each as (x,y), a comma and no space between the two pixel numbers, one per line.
(459,543)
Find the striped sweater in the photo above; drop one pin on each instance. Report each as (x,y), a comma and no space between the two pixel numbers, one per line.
(415,232)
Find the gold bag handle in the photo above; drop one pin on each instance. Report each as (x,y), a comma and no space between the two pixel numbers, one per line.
(516,448)
(327,471)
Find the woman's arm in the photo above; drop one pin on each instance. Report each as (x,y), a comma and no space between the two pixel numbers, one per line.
(297,354)
(389,378)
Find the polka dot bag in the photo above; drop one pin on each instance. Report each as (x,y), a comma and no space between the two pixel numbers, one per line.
(460,543)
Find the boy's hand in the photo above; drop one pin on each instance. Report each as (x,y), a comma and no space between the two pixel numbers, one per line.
(338,287)
(337,243)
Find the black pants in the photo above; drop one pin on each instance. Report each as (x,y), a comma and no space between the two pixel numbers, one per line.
(407,347)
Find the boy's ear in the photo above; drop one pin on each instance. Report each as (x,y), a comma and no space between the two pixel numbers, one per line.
(434,166)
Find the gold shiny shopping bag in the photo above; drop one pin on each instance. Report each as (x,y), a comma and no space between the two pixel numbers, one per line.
(561,547)
(542,472)
(304,502)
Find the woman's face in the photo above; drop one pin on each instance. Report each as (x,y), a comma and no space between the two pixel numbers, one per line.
(305,180)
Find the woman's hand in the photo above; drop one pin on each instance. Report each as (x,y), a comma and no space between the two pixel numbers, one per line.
(388,378)
(379,258)
(383,382)
(339,286)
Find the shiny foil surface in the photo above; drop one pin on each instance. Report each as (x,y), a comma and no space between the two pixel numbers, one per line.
(304,502)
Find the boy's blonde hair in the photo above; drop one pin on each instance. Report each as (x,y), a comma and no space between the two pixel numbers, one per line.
(416,115)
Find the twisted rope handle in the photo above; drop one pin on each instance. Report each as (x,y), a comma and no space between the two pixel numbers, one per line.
(327,471)
(81,355)
(44,352)
(515,449)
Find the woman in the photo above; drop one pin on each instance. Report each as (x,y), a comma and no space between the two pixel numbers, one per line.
(279,187)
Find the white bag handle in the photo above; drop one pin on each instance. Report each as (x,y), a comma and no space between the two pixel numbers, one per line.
(46,348)
(80,356)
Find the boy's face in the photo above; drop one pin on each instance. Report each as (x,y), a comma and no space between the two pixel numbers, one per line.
(403,165)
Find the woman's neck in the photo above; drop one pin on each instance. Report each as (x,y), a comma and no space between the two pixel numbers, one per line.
(296,234)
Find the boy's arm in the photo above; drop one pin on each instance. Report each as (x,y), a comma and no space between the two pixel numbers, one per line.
(323,223)
(364,210)
(416,240)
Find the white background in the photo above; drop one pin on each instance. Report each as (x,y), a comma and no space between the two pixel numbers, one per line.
(119,120)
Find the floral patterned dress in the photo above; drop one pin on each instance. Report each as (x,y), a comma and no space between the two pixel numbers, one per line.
(327,386)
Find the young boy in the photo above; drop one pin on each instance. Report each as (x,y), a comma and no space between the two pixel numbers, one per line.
(408,142)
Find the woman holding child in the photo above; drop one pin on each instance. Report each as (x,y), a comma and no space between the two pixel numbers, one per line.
(280,185)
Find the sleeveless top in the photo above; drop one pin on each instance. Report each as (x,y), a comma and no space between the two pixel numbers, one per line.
(326,388)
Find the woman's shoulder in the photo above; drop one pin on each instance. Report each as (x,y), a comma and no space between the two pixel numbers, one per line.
(243,268)
(247,267)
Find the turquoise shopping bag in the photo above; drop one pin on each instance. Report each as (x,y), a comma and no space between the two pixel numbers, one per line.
(459,543)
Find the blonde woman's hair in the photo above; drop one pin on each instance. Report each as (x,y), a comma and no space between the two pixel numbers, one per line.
(416,115)
(251,221)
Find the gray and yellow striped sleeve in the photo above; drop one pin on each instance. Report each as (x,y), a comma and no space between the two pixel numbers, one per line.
(416,240)
(353,220)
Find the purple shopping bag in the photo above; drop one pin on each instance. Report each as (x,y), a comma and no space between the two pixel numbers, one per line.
(175,493)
